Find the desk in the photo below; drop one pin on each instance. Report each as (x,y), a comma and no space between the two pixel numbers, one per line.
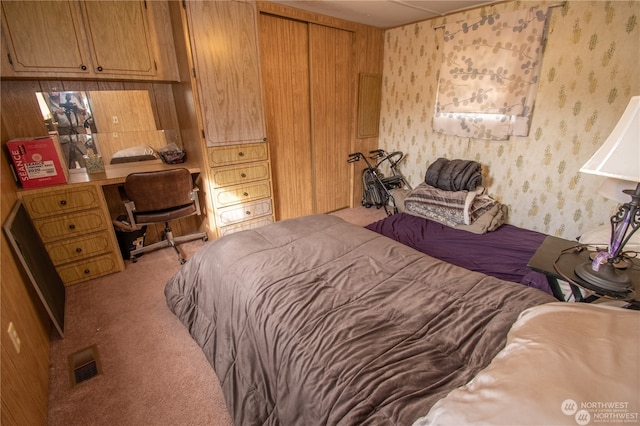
(556,259)
(116,173)
(74,220)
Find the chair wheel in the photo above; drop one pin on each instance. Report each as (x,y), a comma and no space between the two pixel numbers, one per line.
(134,259)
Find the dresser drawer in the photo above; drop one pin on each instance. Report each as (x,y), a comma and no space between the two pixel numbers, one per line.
(72,225)
(241,193)
(77,272)
(45,204)
(78,248)
(249,224)
(228,155)
(242,212)
(241,173)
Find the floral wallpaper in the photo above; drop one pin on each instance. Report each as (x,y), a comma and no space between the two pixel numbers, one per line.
(589,73)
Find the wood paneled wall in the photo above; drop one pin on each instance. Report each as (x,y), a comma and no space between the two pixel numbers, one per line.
(25,375)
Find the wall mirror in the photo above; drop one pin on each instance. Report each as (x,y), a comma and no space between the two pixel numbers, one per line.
(119,125)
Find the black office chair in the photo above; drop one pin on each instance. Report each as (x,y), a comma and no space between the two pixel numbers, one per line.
(158,197)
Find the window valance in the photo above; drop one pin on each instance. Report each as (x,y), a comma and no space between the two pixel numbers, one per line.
(489,74)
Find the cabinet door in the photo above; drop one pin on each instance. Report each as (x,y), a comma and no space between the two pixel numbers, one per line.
(225,53)
(119,39)
(44,36)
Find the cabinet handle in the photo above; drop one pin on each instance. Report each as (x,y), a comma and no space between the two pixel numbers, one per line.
(86,271)
(72,226)
(241,154)
(248,213)
(63,202)
(246,194)
(83,67)
(243,175)
(79,250)
(100,69)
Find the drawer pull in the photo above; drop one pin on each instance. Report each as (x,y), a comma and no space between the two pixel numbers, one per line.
(63,202)
(243,175)
(79,250)
(72,226)
(241,154)
(246,194)
(248,213)
(86,271)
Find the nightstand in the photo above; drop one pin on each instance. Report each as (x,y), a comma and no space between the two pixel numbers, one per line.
(557,259)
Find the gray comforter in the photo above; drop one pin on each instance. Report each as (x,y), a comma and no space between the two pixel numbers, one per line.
(314,321)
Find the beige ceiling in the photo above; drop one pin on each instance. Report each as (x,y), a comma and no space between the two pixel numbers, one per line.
(385,13)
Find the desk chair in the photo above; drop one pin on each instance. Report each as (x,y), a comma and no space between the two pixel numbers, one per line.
(157,197)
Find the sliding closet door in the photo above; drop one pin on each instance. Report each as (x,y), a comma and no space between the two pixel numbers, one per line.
(307,78)
(284,47)
(331,52)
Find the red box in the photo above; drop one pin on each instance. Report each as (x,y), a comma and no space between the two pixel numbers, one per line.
(38,161)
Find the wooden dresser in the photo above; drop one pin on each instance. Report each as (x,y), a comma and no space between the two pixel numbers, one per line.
(241,181)
(75,227)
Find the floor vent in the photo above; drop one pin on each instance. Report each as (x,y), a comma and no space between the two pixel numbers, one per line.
(84,365)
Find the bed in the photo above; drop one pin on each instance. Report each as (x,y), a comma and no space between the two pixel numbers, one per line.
(502,253)
(315,321)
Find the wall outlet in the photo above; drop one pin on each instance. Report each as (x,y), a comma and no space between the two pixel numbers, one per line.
(15,339)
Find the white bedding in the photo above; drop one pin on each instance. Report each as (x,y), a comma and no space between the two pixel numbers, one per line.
(564,363)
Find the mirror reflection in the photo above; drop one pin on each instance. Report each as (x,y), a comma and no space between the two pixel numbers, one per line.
(118,125)
(69,115)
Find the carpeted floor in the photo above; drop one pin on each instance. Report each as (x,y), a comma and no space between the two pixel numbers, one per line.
(153,373)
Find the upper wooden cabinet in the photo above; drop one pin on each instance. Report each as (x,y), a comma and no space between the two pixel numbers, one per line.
(88,39)
(224,44)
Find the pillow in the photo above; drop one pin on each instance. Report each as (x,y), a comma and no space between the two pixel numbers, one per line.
(601,235)
(135,151)
(563,363)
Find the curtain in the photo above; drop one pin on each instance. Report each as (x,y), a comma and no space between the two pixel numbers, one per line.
(489,75)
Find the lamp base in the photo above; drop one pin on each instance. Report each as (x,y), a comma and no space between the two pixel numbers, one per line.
(607,277)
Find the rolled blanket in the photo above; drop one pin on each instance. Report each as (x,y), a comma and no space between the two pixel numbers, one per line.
(450,207)
(454,175)
(488,221)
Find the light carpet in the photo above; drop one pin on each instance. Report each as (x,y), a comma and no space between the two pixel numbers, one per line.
(153,373)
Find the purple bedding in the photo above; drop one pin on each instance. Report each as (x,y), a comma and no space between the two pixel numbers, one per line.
(503,253)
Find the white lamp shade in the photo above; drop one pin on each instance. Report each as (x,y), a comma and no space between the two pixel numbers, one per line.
(619,155)
(612,189)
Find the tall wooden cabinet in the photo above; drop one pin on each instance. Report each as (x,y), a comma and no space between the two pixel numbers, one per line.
(308,78)
(87,39)
(223,41)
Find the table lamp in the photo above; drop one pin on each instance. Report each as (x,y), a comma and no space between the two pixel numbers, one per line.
(618,159)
